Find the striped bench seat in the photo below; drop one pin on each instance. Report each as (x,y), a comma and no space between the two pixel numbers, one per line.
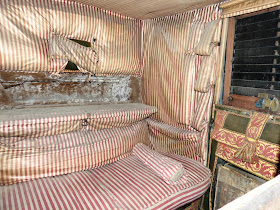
(124,184)
(42,142)
(46,121)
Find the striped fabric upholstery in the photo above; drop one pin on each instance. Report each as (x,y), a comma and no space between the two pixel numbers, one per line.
(199,120)
(33,158)
(186,108)
(118,116)
(125,184)
(26,27)
(204,47)
(171,139)
(166,83)
(202,83)
(65,49)
(18,127)
(171,171)
(36,122)
(166,40)
(194,36)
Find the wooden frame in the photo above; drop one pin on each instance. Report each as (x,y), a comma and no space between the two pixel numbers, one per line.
(241,101)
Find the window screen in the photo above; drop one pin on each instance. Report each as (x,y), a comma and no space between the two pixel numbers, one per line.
(256,61)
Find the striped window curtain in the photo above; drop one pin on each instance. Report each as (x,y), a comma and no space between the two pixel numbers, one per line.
(27,26)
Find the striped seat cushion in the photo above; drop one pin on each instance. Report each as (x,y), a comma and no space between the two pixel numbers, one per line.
(37,122)
(125,184)
(32,158)
(171,171)
(171,139)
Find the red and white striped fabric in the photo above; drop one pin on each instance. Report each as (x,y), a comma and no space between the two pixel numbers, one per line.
(166,82)
(36,122)
(112,116)
(26,26)
(171,139)
(204,46)
(171,171)
(33,158)
(62,48)
(125,184)
(186,105)
(203,83)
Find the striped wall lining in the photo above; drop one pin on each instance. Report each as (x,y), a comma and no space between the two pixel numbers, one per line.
(125,184)
(168,80)
(26,27)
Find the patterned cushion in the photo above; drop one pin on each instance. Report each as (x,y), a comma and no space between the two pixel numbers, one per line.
(171,171)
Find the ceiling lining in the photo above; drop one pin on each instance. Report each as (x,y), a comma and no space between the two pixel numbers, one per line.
(146,9)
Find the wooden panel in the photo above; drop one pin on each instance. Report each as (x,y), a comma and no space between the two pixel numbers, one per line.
(243,102)
(263,25)
(256,68)
(265,51)
(69,88)
(233,183)
(259,84)
(256,43)
(229,55)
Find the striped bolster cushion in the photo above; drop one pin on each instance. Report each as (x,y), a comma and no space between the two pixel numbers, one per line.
(205,46)
(63,48)
(171,171)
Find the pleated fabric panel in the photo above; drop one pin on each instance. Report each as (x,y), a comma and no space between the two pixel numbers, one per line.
(26,27)
(33,158)
(125,184)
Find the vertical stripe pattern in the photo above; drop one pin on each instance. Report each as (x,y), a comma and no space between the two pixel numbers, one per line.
(125,184)
(171,71)
(26,27)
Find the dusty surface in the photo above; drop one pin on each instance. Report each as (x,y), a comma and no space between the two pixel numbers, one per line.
(69,88)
